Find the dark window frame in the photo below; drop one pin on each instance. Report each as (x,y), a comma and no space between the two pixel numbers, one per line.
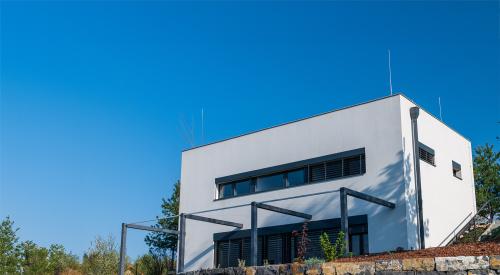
(426,154)
(456,169)
(284,170)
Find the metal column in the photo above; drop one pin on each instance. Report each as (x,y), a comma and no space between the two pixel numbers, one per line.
(253,235)
(182,243)
(344,222)
(123,249)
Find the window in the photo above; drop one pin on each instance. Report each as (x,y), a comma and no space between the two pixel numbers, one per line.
(269,183)
(319,169)
(457,169)
(426,154)
(295,178)
(334,169)
(317,172)
(243,187)
(226,190)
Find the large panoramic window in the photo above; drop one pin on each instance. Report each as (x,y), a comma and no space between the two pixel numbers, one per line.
(269,183)
(320,169)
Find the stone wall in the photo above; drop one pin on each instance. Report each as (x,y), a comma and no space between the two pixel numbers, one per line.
(464,265)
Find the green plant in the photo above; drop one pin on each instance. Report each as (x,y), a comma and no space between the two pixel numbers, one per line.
(241,263)
(266,262)
(303,242)
(333,251)
(313,262)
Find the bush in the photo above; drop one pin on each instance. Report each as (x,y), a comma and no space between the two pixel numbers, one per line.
(335,251)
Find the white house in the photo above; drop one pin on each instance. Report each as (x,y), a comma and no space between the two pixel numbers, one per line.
(301,165)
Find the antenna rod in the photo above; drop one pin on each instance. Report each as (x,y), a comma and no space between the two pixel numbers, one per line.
(202,126)
(440,114)
(390,73)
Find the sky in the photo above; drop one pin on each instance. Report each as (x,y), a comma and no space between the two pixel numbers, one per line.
(98,99)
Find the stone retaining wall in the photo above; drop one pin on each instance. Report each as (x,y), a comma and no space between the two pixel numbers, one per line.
(464,265)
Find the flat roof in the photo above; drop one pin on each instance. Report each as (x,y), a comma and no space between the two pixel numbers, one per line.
(325,113)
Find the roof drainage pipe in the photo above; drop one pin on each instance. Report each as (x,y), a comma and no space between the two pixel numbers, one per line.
(414,112)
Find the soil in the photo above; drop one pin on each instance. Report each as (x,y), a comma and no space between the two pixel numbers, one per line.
(467,249)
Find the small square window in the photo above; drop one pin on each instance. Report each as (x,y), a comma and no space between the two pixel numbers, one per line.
(457,169)
(426,154)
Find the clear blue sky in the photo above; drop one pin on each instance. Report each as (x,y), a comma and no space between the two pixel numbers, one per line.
(92,93)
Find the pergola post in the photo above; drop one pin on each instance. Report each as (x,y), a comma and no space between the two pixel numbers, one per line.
(253,234)
(182,234)
(182,243)
(344,213)
(253,231)
(344,222)
(123,249)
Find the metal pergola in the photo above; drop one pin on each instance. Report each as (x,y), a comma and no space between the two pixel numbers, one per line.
(182,234)
(253,231)
(344,223)
(123,244)
(344,194)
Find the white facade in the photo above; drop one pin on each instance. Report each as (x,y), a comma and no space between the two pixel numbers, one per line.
(383,128)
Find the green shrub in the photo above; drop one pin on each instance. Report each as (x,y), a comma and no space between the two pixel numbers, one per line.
(337,250)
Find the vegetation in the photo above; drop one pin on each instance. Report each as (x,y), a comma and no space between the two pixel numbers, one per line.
(333,251)
(162,245)
(314,262)
(29,258)
(303,243)
(487,179)
(101,258)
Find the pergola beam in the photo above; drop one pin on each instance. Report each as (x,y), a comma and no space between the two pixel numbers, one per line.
(284,211)
(123,243)
(182,234)
(344,222)
(253,231)
(154,229)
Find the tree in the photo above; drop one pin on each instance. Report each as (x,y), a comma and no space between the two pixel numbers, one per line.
(35,259)
(10,250)
(101,258)
(151,264)
(61,261)
(160,243)
(487,179)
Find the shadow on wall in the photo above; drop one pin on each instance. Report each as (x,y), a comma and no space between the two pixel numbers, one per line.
(396,178)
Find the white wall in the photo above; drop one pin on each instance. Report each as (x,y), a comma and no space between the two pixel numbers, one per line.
(447,200)
(375,126)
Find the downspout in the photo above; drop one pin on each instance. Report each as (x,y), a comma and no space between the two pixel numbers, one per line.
(414,112)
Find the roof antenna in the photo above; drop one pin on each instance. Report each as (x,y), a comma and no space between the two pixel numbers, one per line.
(202,126)
(440,114)
(390,73)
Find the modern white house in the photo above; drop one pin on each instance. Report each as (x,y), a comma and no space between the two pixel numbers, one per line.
(302,165)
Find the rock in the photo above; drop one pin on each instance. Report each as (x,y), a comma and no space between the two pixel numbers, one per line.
(388,265)
(355,268)
(298,269)
(462,263)
(495,262)
(395,273)
(418,264)
(328,269)
(249,271)
(481,272)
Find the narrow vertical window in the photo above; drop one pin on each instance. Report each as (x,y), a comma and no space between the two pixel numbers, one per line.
(457,169)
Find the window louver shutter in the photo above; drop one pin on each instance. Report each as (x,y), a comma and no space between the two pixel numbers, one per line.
(274,249)
(317,172)
(234,252)
(334,169)
(352,166)
(223,253)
